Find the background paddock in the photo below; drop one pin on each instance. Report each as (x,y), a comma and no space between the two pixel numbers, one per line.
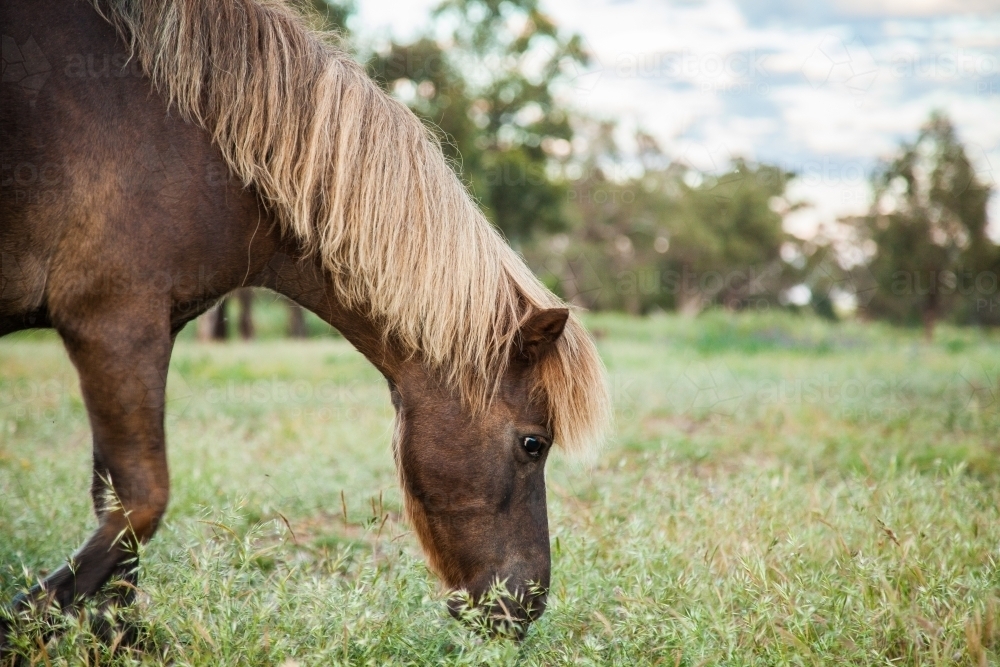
(780,489)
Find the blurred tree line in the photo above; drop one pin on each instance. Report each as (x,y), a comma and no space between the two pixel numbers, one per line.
(604,229)
(634,230)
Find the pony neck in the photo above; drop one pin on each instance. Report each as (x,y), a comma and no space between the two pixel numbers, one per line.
(304,281)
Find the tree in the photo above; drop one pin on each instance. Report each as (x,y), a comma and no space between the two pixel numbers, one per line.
(332,14)
(928,225)
(490,88)
(602,229)
(729,236)
(652,233)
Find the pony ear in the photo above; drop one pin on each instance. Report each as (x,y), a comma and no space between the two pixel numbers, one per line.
(540,331)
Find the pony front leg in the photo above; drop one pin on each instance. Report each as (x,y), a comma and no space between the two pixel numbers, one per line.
(122,359)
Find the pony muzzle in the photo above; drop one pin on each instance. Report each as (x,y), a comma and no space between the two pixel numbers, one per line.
(498,611)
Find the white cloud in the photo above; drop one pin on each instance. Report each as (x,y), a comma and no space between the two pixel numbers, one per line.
(404,19)
(823,101)
(916,7)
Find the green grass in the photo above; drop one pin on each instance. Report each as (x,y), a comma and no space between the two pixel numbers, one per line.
(778,491)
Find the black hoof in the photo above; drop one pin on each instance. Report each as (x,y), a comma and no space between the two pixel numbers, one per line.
(7,656)
(13,618)
(117,632)
(112,625)
(5,630)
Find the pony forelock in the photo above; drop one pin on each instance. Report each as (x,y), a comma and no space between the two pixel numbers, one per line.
(356,177)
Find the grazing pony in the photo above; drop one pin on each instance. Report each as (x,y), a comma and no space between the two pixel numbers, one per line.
(226,146)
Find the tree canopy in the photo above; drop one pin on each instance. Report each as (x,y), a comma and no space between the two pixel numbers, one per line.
(610,228)
(928,224)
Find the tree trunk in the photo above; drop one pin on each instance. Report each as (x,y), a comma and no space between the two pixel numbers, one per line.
(690,304)
(206,324)
(218,323)
(296,321)
(245,297)
(930,316)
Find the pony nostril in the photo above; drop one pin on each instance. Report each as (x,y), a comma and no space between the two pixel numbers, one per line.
(537,606)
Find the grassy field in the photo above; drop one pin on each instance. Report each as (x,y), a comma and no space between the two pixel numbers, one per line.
(778,491)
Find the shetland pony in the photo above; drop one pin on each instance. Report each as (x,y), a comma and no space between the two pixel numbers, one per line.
(230,146)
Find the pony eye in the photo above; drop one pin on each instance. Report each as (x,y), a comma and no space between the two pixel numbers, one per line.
(532,445)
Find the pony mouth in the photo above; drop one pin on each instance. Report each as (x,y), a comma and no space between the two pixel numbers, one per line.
(498,612)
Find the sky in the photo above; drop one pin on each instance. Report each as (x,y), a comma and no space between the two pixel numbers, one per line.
(824,88)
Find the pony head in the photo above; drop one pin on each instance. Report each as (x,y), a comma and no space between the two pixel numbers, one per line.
(474,480)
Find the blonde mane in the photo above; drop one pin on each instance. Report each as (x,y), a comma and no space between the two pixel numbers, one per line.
(360,181)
